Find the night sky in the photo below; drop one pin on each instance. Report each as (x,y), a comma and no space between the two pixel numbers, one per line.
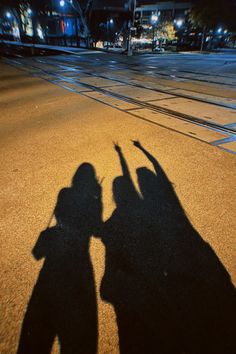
(139,2)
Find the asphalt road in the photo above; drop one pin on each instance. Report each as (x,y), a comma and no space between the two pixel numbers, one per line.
(118,248)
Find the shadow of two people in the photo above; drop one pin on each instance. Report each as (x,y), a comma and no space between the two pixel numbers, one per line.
(169,290)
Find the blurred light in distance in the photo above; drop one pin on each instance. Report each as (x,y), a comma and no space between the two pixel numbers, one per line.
(179,23)
(16,32)
(154,18)
(40,32)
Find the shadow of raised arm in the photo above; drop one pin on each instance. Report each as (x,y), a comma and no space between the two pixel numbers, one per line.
(151,158)
(123,163)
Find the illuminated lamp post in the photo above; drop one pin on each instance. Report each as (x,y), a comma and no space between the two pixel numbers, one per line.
(63,26)
(8,16)
(109,22)
(154,19)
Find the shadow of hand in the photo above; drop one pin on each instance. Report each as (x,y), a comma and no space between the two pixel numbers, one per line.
(136,143)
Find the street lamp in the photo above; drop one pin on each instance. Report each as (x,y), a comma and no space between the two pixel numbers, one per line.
(109,22)
(132,7)
(29,20)
(154,19)
(179,23)
(8,16)
(62,4)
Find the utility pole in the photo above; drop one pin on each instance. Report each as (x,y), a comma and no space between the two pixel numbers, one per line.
(107,34)
(132,7)
(77,32)
(203,38)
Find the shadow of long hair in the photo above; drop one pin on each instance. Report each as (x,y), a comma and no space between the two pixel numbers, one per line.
(63,302)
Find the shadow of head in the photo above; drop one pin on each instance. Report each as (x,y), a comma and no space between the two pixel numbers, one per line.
(147,181)
(124,192)
(79,204)
(85,176)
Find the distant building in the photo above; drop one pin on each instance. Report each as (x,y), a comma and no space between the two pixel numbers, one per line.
(164,11)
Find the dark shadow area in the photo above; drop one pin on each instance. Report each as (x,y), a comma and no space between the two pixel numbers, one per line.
(170,292)
(63,301)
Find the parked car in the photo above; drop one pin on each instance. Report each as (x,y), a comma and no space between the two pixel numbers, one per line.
(159,49)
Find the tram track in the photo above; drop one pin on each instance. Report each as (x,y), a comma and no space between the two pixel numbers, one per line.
(142,86)
(58,77)
(195,79)
(190,78)
(176,95)
(162,110)
(136,68)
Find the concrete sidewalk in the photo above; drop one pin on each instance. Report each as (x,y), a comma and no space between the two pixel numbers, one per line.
(65,49)
(69,50)
(76,50)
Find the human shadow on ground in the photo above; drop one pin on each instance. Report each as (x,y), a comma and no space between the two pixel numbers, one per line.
(63,301)
(170,292)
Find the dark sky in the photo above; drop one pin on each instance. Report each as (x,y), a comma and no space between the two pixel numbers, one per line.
(109,2)
(155,1)
(122,2)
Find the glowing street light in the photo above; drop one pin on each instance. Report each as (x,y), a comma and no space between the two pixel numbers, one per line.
(154,18)
(8,14)
(179,23)
(62,3)
(29,11)
(40,32)
(219,30)
(109,22)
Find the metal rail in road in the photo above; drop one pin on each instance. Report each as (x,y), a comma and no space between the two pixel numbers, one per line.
(139,85)
(58,78)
